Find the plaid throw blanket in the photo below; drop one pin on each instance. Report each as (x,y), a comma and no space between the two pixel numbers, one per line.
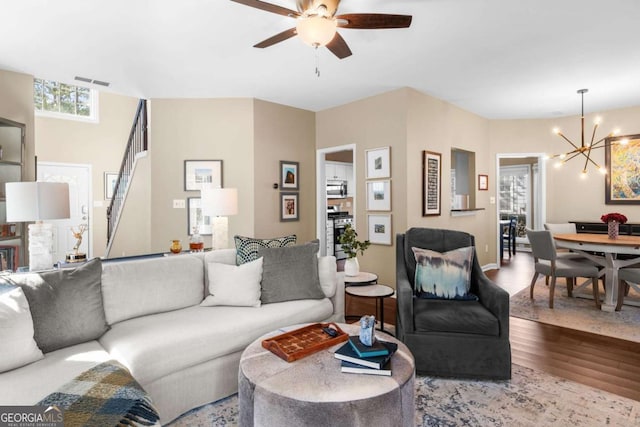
(105,395)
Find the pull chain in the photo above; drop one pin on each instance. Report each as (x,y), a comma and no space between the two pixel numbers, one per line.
(317,63)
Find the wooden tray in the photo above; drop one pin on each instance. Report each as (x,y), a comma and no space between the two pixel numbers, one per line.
(299,343)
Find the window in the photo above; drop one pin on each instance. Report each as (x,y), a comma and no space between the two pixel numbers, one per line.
(61,100)
(515,195)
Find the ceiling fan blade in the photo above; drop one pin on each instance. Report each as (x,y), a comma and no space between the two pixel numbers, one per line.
(371,21)
(268,7)
(339,47)
(286,34)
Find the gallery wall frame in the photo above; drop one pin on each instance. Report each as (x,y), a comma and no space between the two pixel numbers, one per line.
(110,179)
(198,172)
(622,161)
(378,163)
(195,217)
(483,182)
(379,195)
(289,175)
(431,183)
(289,207)
(379,227)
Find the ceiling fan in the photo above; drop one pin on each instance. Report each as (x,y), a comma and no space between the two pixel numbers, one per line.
(317,23)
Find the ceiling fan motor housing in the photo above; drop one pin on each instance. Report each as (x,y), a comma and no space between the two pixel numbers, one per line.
(331,6)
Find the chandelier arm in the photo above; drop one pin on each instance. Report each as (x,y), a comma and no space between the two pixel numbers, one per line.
(586,162)
(569,141)
(575,154)
(593,135)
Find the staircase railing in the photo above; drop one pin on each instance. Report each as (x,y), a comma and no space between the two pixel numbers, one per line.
(136,144)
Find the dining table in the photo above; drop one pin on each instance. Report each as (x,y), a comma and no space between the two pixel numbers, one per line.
(590,245)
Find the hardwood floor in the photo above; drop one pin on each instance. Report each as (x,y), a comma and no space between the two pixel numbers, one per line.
(601,362)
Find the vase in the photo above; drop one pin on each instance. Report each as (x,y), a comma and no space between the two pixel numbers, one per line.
(351,267)
(613,229)
(176,247)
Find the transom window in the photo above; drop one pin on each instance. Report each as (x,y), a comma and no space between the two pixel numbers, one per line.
(62,100)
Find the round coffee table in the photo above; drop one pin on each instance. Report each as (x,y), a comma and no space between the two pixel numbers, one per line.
(379,292)
(313,392)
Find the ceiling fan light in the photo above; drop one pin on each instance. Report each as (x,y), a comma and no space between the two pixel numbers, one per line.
(316,30)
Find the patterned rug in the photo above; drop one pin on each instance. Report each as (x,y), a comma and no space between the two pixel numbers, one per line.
(577,313)
(530,398)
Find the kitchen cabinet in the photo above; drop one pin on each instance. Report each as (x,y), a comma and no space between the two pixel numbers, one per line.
(340,171)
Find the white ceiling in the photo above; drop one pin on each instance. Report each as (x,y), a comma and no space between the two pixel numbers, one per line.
(496,58)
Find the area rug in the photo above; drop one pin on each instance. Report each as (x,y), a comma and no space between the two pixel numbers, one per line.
(576,313)
(530,398)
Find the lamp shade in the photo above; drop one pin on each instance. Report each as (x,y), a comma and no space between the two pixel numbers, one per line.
(316,30)
(37,201)
(219,201)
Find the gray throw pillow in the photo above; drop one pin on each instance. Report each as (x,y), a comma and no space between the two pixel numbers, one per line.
(66,305)
(247,247)
(290,273)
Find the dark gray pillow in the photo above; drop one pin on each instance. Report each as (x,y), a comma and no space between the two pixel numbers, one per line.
(290,273)
(66,305)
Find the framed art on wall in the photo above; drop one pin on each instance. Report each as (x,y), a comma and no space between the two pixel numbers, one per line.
(483,182)
(289,175)
(289,209)
(379,226)
(195,217)
(622,160)
(379,195)
(378,163)
(431,183)
(198,172)
(110,179)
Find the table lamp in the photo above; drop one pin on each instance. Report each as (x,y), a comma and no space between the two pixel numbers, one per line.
(219,203)
(38,201)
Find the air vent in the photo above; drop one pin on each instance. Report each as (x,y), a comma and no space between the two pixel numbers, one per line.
(95,82)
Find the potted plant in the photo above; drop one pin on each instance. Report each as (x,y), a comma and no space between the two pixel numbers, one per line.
(351,246)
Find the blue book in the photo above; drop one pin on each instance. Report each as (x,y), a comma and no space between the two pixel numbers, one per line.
(377,349)
(347,353)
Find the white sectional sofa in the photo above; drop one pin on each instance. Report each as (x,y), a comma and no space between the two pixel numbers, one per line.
(183,354)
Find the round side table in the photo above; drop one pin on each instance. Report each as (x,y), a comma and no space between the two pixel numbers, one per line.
(379,292)
(362,278)
(313,392)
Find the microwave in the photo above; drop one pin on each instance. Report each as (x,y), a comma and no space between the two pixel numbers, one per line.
(336,189)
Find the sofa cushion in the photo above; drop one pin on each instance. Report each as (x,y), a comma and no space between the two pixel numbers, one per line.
(247,247)
(157,345)
(327,269)
(16,331)
(451,316)
(153,285)
(443,275)
(290,273)
(31,383)
(234,285)
(66,305)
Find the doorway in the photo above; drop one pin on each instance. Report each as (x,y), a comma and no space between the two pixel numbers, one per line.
(521,193)
(78,177)
(334,165)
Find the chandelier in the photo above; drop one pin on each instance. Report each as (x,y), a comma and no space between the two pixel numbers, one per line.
(583,149)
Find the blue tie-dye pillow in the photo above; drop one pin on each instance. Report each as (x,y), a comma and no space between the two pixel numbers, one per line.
(443,275)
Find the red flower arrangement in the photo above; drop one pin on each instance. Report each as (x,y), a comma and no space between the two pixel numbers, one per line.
(614,216)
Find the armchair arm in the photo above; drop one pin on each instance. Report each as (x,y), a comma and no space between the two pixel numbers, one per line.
(495,299)
(404,293)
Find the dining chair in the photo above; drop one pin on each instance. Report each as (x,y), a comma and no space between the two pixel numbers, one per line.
(509,237)
(628,277)
(547,263)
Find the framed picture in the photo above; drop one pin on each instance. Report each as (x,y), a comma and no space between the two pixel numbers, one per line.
(378,162)
(289,209)
(379,226)
(431,183)
(379,195)
(195,217)
(622,160)
(198,172)
(483,182)
(110,179)
(289,175)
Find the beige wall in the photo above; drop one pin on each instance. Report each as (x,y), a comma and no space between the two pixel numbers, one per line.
(568,196)
(379,121)
(283,133)
(100,145)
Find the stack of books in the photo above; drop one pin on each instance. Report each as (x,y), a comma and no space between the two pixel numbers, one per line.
(358,358)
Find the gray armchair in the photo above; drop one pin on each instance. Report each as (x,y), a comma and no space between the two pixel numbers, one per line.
(467,339)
